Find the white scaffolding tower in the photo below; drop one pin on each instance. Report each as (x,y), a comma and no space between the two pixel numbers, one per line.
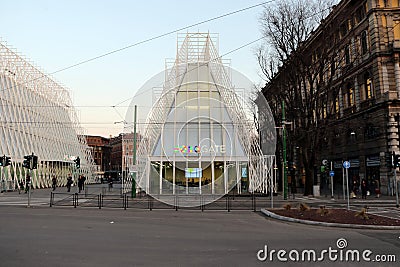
(201,49)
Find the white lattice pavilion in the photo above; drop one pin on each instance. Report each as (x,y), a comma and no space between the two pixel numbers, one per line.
(199,138)
(37,116)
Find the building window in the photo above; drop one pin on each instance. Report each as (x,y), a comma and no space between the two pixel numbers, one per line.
(350,95)
(360,14)
(337,106)
(364,44)
(343,29)
(382,3)
(333,67)
(396,29)
(347,54)
(368,86)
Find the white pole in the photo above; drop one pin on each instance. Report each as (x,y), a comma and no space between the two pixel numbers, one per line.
(332,182)
(271,190)
(396,187)
(347,182)
(344,191)
(123,176)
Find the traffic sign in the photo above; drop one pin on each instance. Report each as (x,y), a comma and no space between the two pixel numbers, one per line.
(346,164)
(331,173)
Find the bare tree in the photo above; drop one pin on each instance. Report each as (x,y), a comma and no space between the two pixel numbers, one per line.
(301,77)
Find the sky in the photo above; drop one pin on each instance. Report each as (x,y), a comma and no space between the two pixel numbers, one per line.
(57,34)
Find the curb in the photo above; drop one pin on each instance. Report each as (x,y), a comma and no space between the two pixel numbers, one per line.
(341,225)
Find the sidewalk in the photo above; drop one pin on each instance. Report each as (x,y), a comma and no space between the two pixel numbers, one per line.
(41,197)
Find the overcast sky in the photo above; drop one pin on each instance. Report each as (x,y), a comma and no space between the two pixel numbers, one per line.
(56,34)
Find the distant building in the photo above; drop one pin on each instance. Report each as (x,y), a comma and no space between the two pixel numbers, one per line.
(101,152)
(121,155)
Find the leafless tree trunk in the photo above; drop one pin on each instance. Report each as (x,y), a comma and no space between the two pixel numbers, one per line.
(301,84)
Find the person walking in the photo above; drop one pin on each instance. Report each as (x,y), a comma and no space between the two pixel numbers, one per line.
(83,182)
(376,188)
(21,187)
(69,182)
(364,189)
(80,182)
(54,182)
(354,189)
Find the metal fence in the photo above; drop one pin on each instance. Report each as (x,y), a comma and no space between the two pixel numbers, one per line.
(106,199)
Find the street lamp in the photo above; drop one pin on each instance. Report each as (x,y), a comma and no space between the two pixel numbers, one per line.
(284,123)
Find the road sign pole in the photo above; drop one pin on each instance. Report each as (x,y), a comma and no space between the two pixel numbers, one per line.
(396,187)
(343,188)
(346,165)
(332,180)
(285,181)
(347,183)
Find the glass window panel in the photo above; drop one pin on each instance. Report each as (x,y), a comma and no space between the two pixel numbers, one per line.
(193,133)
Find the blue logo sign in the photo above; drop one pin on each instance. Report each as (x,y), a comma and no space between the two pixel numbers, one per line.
(331,173)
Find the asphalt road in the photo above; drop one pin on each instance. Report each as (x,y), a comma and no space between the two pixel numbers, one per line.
(42,236)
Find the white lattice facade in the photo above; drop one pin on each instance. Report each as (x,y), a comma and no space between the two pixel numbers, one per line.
(199,138)
(37,116)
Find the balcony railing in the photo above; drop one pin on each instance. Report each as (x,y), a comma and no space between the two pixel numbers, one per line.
(367,103)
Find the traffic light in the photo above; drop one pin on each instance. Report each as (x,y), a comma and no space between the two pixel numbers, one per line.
(27,161)
(6,161)
(2,161)
(396,160)
(389,160)
(77,162)
(34,161)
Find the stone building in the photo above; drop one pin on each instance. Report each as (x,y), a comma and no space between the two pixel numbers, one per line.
(361,115)
(101,152)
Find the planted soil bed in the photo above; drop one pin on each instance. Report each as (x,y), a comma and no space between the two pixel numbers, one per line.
(342,216)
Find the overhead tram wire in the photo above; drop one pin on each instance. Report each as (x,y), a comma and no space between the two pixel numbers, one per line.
(234,50)
(147,40)
(195,68)
(213,59)
(157,37)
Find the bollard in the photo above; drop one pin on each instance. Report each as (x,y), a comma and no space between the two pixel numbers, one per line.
(150,203)
(228,203)
(253,202)
(75,199)
(51,199)
(99,201)
(125,199)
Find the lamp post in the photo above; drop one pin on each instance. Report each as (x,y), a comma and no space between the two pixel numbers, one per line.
(134,155)
(285,182)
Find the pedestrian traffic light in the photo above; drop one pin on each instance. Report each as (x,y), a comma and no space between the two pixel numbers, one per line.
(34,161)
(77,162)
(7,161)
(27,161)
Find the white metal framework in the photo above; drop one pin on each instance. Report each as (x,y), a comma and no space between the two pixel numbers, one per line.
(37,116)
(199,106)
